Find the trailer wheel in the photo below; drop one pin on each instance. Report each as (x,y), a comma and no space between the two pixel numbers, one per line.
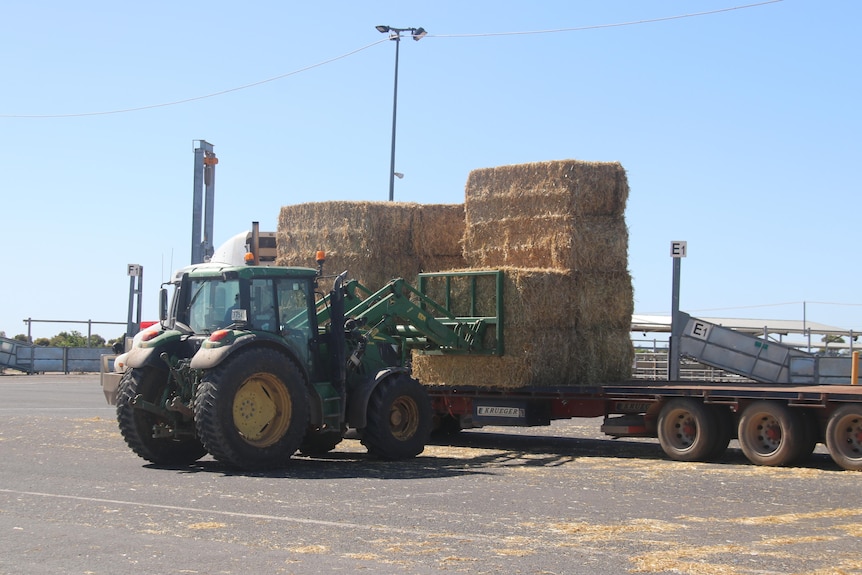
(398,420)
(812,434)
(138,426)
(771,433)
(724,431)
(687,429)
(251,411)
(844,437)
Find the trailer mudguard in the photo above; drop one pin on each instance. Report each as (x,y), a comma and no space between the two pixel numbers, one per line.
(357,402)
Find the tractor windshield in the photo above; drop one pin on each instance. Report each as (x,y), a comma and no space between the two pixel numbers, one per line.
(211,304)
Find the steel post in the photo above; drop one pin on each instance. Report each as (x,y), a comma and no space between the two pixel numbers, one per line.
(397,38)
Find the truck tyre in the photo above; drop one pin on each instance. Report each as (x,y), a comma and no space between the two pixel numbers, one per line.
(844,437)
(398,420)
(812,437)
(137,425)
(771,433)
(251,411)
(318,443)
(687,429)
(724,431)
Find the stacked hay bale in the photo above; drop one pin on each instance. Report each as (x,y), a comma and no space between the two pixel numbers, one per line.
(558,230)
(373,241)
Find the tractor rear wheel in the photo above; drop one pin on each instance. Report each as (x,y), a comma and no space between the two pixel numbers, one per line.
(252,410)
(138,427)
(398,422)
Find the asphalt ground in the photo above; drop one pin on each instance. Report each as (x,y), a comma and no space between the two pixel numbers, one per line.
(560,499)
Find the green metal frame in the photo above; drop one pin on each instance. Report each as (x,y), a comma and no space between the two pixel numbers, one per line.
(496,320)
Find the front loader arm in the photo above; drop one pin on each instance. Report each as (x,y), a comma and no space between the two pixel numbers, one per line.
(387,309)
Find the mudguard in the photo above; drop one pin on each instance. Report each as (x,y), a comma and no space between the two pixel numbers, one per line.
(207,357)
(357,402)
(147,352)
(212,354)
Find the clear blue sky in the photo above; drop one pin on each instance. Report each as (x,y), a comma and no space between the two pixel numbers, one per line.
(740,132)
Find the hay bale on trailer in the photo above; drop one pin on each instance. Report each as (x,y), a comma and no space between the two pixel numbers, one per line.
(373,241)
(550,358)
(560,328)
(565,214)
(568,323)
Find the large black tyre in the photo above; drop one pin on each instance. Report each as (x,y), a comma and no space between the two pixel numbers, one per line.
(398,419)
(136,425)
(318,443)
(813,434)
(444,426)
(844,437)
(687,429)
(724,431)
(771,433)
(251,411)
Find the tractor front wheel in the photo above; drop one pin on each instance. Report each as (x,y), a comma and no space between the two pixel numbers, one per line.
(252,410)
(399,418)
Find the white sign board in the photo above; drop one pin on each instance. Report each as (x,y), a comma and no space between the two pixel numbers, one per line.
(678,249)
(135,269)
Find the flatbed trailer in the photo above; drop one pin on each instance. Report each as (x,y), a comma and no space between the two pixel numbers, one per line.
(775,424)
(793,401)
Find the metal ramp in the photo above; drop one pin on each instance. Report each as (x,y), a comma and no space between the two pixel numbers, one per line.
(16,354)
(756,358)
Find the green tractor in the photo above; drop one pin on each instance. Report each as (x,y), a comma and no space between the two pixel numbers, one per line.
(252,364)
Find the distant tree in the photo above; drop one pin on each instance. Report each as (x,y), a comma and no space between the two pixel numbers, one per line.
(42,341)
(76,339)
(21,337)
(97,341)
(827,339)
(66,339)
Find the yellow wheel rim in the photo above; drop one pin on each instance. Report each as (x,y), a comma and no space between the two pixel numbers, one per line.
(404,418)
(262,410)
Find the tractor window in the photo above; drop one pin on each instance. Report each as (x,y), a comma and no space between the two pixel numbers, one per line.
(209,303)
(293,313)
(262,306)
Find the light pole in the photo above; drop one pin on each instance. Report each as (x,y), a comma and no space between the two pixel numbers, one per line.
(395,34)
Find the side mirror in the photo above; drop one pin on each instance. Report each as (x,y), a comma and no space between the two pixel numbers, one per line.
(163,305)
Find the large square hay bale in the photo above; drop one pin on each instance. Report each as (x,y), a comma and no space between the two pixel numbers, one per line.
(373,241)
(560,328)
(564,214)
(540,358)
(542,298)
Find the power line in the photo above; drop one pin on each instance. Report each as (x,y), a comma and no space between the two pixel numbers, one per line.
(196,98)
(351,53)
(600,26)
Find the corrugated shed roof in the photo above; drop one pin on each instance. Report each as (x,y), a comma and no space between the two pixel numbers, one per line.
(661,323)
